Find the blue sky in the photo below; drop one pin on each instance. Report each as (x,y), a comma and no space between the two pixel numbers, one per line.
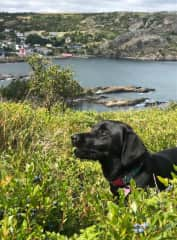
(87,5)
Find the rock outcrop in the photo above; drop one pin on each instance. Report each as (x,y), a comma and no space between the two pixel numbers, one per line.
(146,36)
(122,102)
(121,89)
(100,95)
(10,77)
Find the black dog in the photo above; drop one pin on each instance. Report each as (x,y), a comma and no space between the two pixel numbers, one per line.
(123,156)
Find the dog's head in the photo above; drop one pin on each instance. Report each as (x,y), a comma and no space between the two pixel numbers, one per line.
(109,139)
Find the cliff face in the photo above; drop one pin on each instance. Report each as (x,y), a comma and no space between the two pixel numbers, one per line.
(146,36)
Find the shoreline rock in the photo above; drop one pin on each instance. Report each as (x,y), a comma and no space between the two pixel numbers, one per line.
(121,89)
(122,102)
(92,99)
(139,102)
(11,77)
(12,59)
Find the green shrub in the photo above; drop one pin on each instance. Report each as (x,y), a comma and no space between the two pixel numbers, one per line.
(16,91)
(52,84)
(46,193)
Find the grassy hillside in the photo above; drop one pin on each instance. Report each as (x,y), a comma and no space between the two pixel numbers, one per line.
(46,193)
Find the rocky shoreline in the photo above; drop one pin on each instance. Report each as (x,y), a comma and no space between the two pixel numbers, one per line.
(120,89)
(11,77)
(142,58)
(152,58)
(102,95)
(118,102)
(23,59)
(145,102)
(12,59)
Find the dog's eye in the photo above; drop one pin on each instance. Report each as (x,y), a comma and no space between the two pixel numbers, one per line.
(102,132)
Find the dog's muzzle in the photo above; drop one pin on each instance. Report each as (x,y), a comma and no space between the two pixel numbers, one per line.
(75,139)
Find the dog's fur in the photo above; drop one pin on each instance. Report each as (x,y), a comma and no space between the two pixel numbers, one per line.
(122,154)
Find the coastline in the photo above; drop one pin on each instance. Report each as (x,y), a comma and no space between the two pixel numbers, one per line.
(153,59)
(12,59)
(23,59)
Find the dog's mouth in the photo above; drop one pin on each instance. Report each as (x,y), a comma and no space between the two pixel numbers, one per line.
(85,153)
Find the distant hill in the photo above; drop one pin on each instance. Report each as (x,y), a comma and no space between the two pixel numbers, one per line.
(117,34)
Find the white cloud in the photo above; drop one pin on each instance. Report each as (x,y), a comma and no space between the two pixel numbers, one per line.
(87,6)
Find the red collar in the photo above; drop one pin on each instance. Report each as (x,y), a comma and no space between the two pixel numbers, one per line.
(125,180)
(119,182)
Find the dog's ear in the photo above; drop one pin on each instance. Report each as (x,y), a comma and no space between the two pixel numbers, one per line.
(132,147)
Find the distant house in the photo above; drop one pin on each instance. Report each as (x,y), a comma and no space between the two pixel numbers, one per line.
(22,52)
(49,45)
(33,32)
(67,40)
(20,35)
(9,43)
(37,45)
(53,34)
(77,46)
(4,44)
(43,50)
(7,30)
(17,47)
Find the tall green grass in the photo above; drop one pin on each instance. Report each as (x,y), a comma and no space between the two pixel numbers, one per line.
(46,193)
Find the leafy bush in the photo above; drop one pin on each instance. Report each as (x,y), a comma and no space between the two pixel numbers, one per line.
(46,193)
(17,90)
(51,83)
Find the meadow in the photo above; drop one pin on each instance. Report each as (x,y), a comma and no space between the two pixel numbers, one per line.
(46,193)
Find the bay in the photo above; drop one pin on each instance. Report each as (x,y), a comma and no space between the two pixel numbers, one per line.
(93,72)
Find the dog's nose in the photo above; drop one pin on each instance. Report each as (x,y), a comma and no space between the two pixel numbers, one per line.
(75,138)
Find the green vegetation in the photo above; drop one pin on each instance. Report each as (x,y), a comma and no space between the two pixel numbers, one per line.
(51,84)
(17,90)
(46,193)
(36,39)
(48,85)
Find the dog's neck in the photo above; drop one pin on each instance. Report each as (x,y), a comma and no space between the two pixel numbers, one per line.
(140,169)
(125,179)
(112,167)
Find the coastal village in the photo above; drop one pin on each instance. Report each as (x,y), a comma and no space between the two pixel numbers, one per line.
(18,44)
